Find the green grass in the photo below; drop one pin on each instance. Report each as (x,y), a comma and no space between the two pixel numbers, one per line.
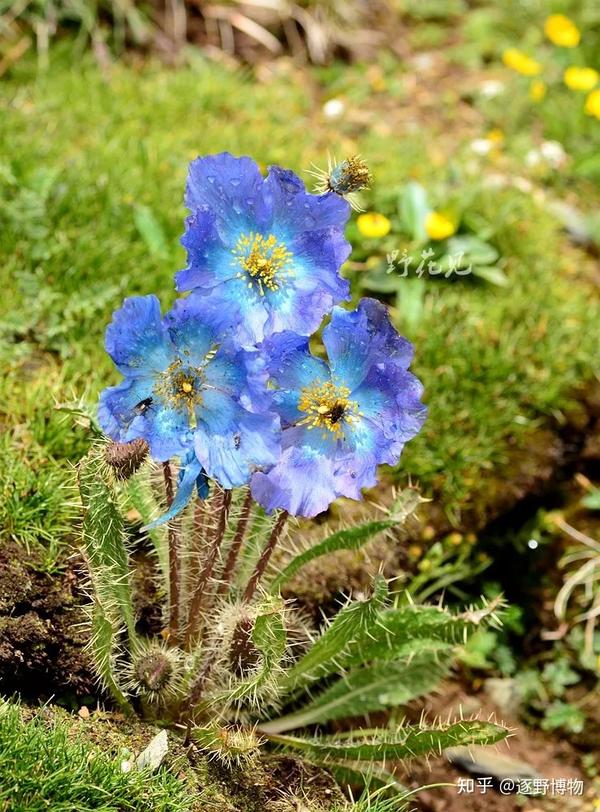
(43,766)
(92,171)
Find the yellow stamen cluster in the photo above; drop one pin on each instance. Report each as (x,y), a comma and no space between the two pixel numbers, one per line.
(327,406)
(263,259)
(180,388)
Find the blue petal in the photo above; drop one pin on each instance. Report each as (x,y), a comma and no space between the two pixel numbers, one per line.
(364,340)
(232,443)
(131,410)
(189,474)
(192,333)
(295,210)
(232,189)
(292,368)
(210,260)
(137,339)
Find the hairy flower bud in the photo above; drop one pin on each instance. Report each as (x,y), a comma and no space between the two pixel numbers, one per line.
(153,671)
(126,458)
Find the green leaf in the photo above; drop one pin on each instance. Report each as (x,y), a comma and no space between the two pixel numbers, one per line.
(476,251)
(410,301)
(103,537)
(150,230)
(413,210)
(351,539)
(368,689)
(592,500)
(491,274)
(334,647)
(409,741)
(563,716)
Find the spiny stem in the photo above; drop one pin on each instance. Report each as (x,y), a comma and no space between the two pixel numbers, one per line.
(174,563)
(261,565)
(236,545)
(214,544)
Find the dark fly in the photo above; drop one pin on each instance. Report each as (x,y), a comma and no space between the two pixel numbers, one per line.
(336,413)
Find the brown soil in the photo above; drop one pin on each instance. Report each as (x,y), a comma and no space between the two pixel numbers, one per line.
(42,639)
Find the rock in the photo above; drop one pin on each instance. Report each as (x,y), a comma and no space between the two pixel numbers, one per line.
(485,761)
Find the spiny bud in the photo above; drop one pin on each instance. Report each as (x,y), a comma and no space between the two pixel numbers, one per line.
(153,671)
(231,745)
(345,179)
(349,176)
(126,458)
(243,654)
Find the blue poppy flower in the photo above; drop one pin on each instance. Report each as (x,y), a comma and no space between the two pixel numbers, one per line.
(343,418)
(263,254)
(187,391)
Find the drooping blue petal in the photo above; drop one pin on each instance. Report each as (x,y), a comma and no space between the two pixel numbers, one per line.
(190,474)
(137,339)
(303,481)
(232,443)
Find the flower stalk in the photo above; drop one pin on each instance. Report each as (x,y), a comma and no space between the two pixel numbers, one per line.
(265,557)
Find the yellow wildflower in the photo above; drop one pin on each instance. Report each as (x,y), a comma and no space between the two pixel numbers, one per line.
(438,226)
(373,225)
(517,60)
(562,31)
(495,135)
(537,90)
(592,104)
(580,78)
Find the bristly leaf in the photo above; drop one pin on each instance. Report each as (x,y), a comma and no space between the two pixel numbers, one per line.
(400,632)
(336,646)
(368,689)
(103,540)
(353,538)
(103,537)
(409,741)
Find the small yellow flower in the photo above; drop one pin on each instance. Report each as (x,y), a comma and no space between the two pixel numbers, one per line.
(517,60)
(592,104)
(580,78)
(496,136)
(562,31)
(537,90)
(415,551)
(438,226)
(373,225)
(455,539)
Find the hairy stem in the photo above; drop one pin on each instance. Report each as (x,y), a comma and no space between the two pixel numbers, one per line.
(214,544)
(236,545)
(174,558)
(266,554)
